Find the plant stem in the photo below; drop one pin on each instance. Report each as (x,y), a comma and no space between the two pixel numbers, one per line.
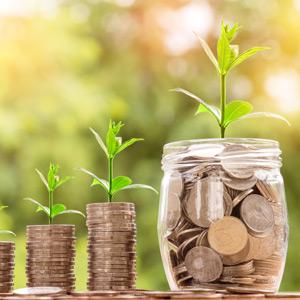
(50,197)
(110,177)
(222,103)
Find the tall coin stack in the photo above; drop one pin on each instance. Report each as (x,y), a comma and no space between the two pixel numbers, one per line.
(50,256)
(111,246)
(7,253)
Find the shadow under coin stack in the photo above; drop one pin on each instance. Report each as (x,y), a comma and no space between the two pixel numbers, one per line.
(50,256)
(7,253)
(229,230)
(111,246)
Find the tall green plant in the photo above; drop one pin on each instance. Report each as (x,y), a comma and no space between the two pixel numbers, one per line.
(112,147)
(228,57)
(6,231)
(52,183)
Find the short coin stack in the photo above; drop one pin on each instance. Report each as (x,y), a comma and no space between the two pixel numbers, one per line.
(7,253)
(50,256)
(226,222)
(111,246)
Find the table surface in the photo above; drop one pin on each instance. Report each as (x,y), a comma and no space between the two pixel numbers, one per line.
(113,295)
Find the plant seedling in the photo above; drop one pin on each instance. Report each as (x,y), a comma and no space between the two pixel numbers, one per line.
(52,183)
(228,57)
(112,148)
(6,231)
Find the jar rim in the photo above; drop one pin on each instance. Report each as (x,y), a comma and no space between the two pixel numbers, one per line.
(264,143)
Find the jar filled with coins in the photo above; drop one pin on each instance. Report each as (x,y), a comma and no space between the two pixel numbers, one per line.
(222,221)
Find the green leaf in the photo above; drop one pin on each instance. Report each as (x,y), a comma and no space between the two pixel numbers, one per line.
(208,51)
(112,141)
(128,143)
(119,183)
(100,141)
(266,115)
(140,186)
(3,207)
(43,179)
(7,232)
(53,178)
(236,109)
(209,108)
(245,55)
(234,52)
(203,109)
(231,31)
(57,209)
(224,51)
(96,180)
(40,206)
(63,180)
(71,211)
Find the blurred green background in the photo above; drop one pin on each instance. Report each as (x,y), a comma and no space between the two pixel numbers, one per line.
(67,65)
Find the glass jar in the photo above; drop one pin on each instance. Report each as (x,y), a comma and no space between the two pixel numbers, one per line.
(222,218)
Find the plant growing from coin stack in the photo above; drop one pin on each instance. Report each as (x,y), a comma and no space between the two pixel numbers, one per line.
(112,148)
(111,225)
(52,183)
(51,248)
(228,57)
(7,257)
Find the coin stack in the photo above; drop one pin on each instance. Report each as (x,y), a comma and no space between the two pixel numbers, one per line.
(111,246)
(226,223)
(7,255)
(50,256)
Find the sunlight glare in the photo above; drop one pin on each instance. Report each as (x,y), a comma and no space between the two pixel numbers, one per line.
(180,24)
(284,87)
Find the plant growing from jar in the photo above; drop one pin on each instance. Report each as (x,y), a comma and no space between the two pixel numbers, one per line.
(222,200)
(114,146)
(228,57)
(52,183)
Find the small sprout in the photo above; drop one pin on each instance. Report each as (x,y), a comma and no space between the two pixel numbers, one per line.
(53,182)
(112,147)
(6,231)
(228,57)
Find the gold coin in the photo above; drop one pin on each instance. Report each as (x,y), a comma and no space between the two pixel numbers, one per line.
(228,236)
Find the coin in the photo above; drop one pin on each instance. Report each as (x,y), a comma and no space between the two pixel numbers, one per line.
(257,213)
(228,203)
(240,184)
(203,264)
(267,191)
(174,192)
(241,196)
(228,236)
(111,246)
(261,247)
(6,266)
(206,193)
(50,256)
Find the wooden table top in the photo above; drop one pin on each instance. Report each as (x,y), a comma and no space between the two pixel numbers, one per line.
(111,295)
